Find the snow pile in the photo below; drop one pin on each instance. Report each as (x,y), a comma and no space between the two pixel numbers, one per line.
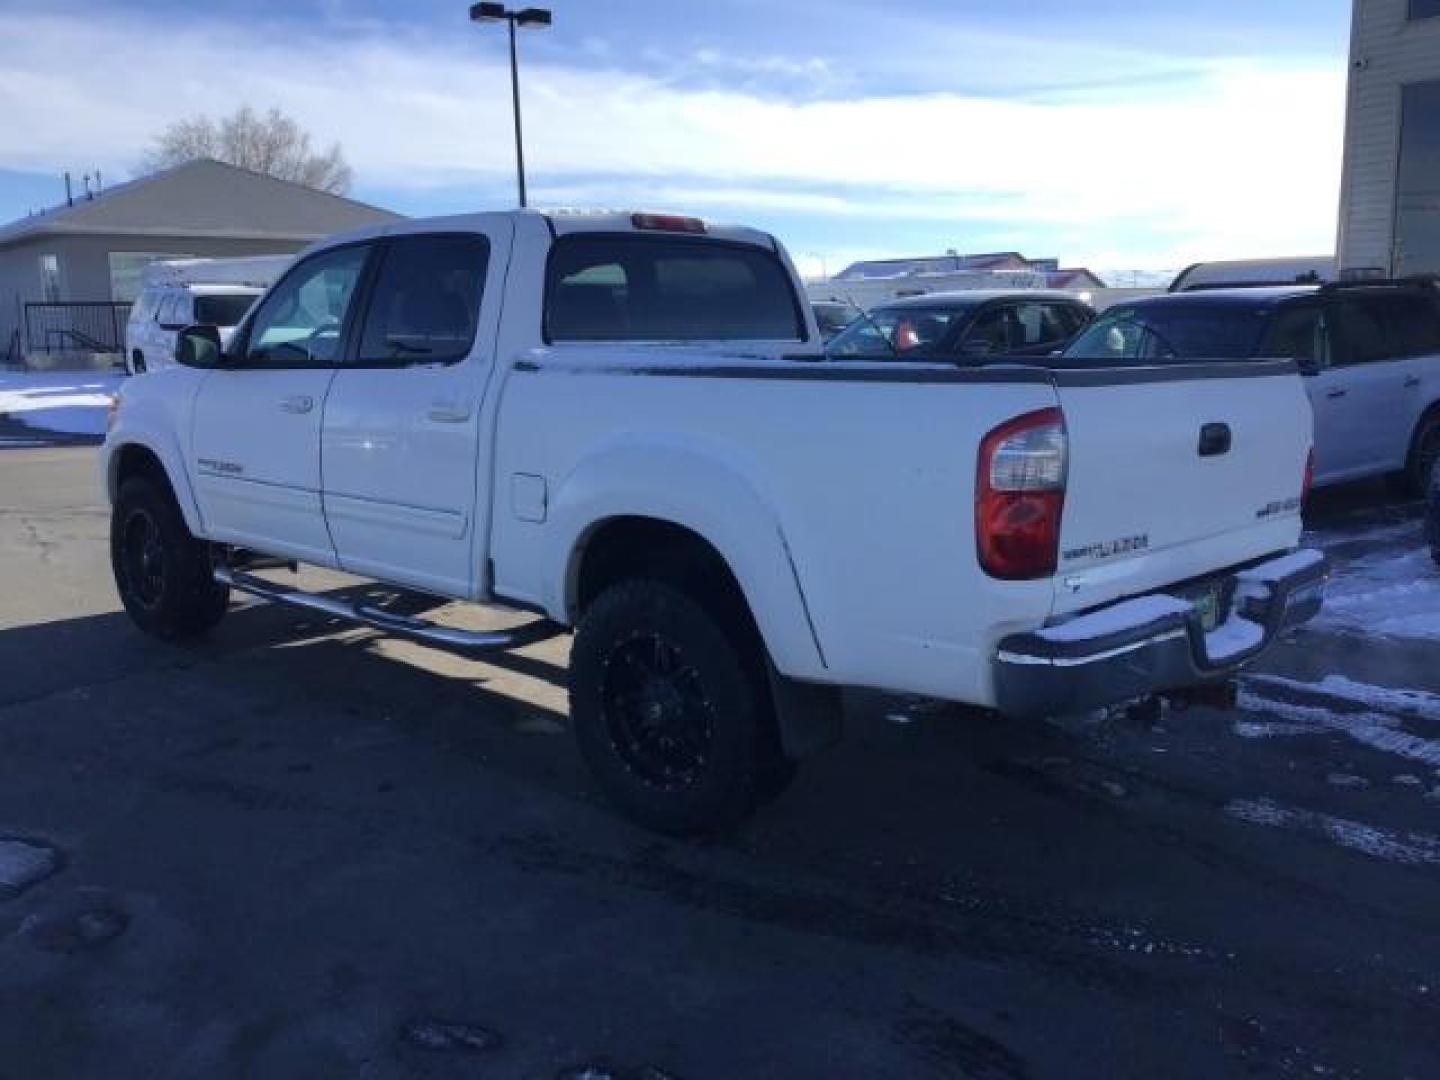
(68,402)
(1387,594)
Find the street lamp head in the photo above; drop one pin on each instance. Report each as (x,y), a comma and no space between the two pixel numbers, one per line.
(497,12)
(479,12)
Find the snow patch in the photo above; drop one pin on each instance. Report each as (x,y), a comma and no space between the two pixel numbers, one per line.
(1375,730)
(23,864)
(68,402)
(1233,637)
(1420,704)
(1386,594)
(1129,615)
(1411,849)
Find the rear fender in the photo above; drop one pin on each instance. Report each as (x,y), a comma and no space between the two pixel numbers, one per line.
(685,486)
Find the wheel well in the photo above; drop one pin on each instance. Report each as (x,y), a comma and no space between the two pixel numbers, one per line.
(629,547)
(805,718)
(135,460)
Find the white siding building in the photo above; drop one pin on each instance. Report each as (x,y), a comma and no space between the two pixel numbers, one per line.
(1390,195)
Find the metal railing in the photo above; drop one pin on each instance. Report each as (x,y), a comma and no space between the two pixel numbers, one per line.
(95,326)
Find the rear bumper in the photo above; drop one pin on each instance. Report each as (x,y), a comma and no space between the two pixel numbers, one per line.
(1154,643)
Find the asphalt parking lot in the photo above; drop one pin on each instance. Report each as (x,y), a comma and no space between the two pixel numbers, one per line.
(304,850)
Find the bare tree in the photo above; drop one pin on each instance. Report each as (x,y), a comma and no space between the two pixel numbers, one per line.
(272,144)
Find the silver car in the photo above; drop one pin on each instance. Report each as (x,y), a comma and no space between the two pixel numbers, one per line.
(1371,354)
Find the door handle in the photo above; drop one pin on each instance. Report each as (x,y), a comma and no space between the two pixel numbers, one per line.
(299,403)
(1412,382)
(449,414)
(1337,393)
(1215,439)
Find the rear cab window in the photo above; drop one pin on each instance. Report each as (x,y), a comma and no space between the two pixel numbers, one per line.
(624,287)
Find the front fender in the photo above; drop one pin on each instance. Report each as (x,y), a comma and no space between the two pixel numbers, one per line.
(697,489)
(147,424)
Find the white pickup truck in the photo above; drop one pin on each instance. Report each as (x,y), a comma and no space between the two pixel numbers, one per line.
(627,423)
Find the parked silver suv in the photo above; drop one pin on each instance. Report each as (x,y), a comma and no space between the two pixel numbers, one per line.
(1371,353)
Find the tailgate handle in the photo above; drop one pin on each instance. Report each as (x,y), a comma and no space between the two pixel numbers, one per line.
(1215,439)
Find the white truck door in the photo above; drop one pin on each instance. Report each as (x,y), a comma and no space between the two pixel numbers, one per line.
(256,435)
(402,443)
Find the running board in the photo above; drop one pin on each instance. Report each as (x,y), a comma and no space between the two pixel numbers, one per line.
(445,637)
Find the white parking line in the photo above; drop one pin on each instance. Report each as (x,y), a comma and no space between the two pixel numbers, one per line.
(1411,849)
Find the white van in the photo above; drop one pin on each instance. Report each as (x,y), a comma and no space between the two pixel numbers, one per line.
(1257,273)
(177,293)
(162,311)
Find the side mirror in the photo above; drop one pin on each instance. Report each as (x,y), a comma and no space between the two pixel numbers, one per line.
(199,347)
(1308,365)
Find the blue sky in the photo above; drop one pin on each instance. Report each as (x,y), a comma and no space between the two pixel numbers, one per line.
(1123,133)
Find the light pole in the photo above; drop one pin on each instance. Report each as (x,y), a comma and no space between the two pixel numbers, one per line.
(536,17)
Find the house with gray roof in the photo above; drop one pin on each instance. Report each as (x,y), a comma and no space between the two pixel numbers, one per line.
(79,264)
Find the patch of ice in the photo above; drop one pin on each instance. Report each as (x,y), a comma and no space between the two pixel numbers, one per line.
(68,402)
(22,864)
(1375,730)
(1347,780)
(1387,594)
(1411,849)
(1256,729)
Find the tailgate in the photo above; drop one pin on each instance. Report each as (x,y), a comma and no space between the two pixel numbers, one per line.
(1177,472)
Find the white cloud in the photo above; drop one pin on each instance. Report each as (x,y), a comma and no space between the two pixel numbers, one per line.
(1242,159)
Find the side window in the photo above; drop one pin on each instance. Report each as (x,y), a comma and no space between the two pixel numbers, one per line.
(1388,326)
(426,300)
(997,330)
(1046,324)
(1297,333)
(1116,335)
(646,288)
(300,322)
(1073,319)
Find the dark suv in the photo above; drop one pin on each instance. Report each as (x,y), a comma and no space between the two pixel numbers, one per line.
(1371,354)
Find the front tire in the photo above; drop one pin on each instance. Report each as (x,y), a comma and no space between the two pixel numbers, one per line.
(671,708)
(1424,456)
(163,574)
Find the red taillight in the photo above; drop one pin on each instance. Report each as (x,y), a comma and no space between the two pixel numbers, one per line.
(1020,496)
(1309,481)
(667,223)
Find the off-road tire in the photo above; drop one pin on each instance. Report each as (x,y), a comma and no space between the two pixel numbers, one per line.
(163,574)
(1424,456)
(709,696)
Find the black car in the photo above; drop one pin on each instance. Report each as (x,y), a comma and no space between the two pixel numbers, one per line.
(1371,354)
(964,327)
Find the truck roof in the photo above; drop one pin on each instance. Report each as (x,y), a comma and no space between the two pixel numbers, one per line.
(564,222)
